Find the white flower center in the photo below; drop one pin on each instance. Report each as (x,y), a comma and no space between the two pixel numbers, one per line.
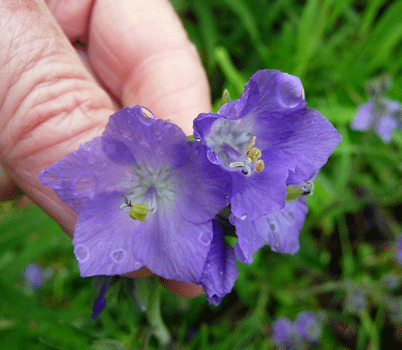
(152,187)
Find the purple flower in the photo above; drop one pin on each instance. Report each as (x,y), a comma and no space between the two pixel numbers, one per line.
(282,331)
(33,275)
(266,140)
(220,269)
(398,249)
(143,196)
(279,229)
(356,301)
(308,326)
(380,114)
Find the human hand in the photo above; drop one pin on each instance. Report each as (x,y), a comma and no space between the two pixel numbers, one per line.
(135,52)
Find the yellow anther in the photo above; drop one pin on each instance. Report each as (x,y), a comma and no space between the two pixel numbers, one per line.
(254,154)
(251,144)
(138,211)
(259,166)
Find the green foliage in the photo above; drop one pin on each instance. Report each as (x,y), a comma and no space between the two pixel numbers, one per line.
(334,46)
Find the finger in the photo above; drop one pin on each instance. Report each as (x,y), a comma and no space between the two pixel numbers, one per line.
(183,289)
(141,52)
(49,103)
(72,16)
(8,188)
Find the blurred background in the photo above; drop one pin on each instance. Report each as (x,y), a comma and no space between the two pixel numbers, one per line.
(347,273)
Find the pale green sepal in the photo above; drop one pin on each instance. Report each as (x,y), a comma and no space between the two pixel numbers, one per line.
(225,98)
(138,211)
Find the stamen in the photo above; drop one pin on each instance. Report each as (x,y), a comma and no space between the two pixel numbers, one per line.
(127,203)
(246,169)
(251,144)
(259,166)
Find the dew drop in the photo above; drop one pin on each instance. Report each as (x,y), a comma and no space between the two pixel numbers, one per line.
(232,219)
(243,217)
(137,265)
(51,176)
(205,238)
(84,184)
(101,245)
(125,133)
(272,226)
(81,252)
(147,117)
(291,215)
(212,157)
(289,90)
(221,272)
(177,277)
(118,255)
(91,160)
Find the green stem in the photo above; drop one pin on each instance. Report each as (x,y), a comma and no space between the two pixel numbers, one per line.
(154,316)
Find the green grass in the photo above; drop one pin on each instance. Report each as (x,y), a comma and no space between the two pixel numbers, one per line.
(334,46)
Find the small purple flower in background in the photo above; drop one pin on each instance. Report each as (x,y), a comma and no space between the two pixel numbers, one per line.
(308,327)
(33,275)
(355,301)
(300,334)
(398,249)
(143,196)
(282,332)
(381,115)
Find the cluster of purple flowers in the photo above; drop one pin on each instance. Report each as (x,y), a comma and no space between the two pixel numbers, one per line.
(146,196)
(305,330)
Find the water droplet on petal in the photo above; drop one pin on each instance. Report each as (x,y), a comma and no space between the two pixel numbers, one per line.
(84,184)
(147,117)
(221,272)
(101,245)
(118,255)
(81,252)
(205,238)
(177,277)
(137,265)
(232,219)
(212,157)
(243,217)
(272,226)
(289,90)
(125,133)
(51,176)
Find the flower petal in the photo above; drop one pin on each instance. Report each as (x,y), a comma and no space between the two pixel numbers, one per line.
(279,229)
(385,127)
(103,238)
(148,139)
(260,193)
(305,136)
(205,185)
(80,176)
(220,270)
